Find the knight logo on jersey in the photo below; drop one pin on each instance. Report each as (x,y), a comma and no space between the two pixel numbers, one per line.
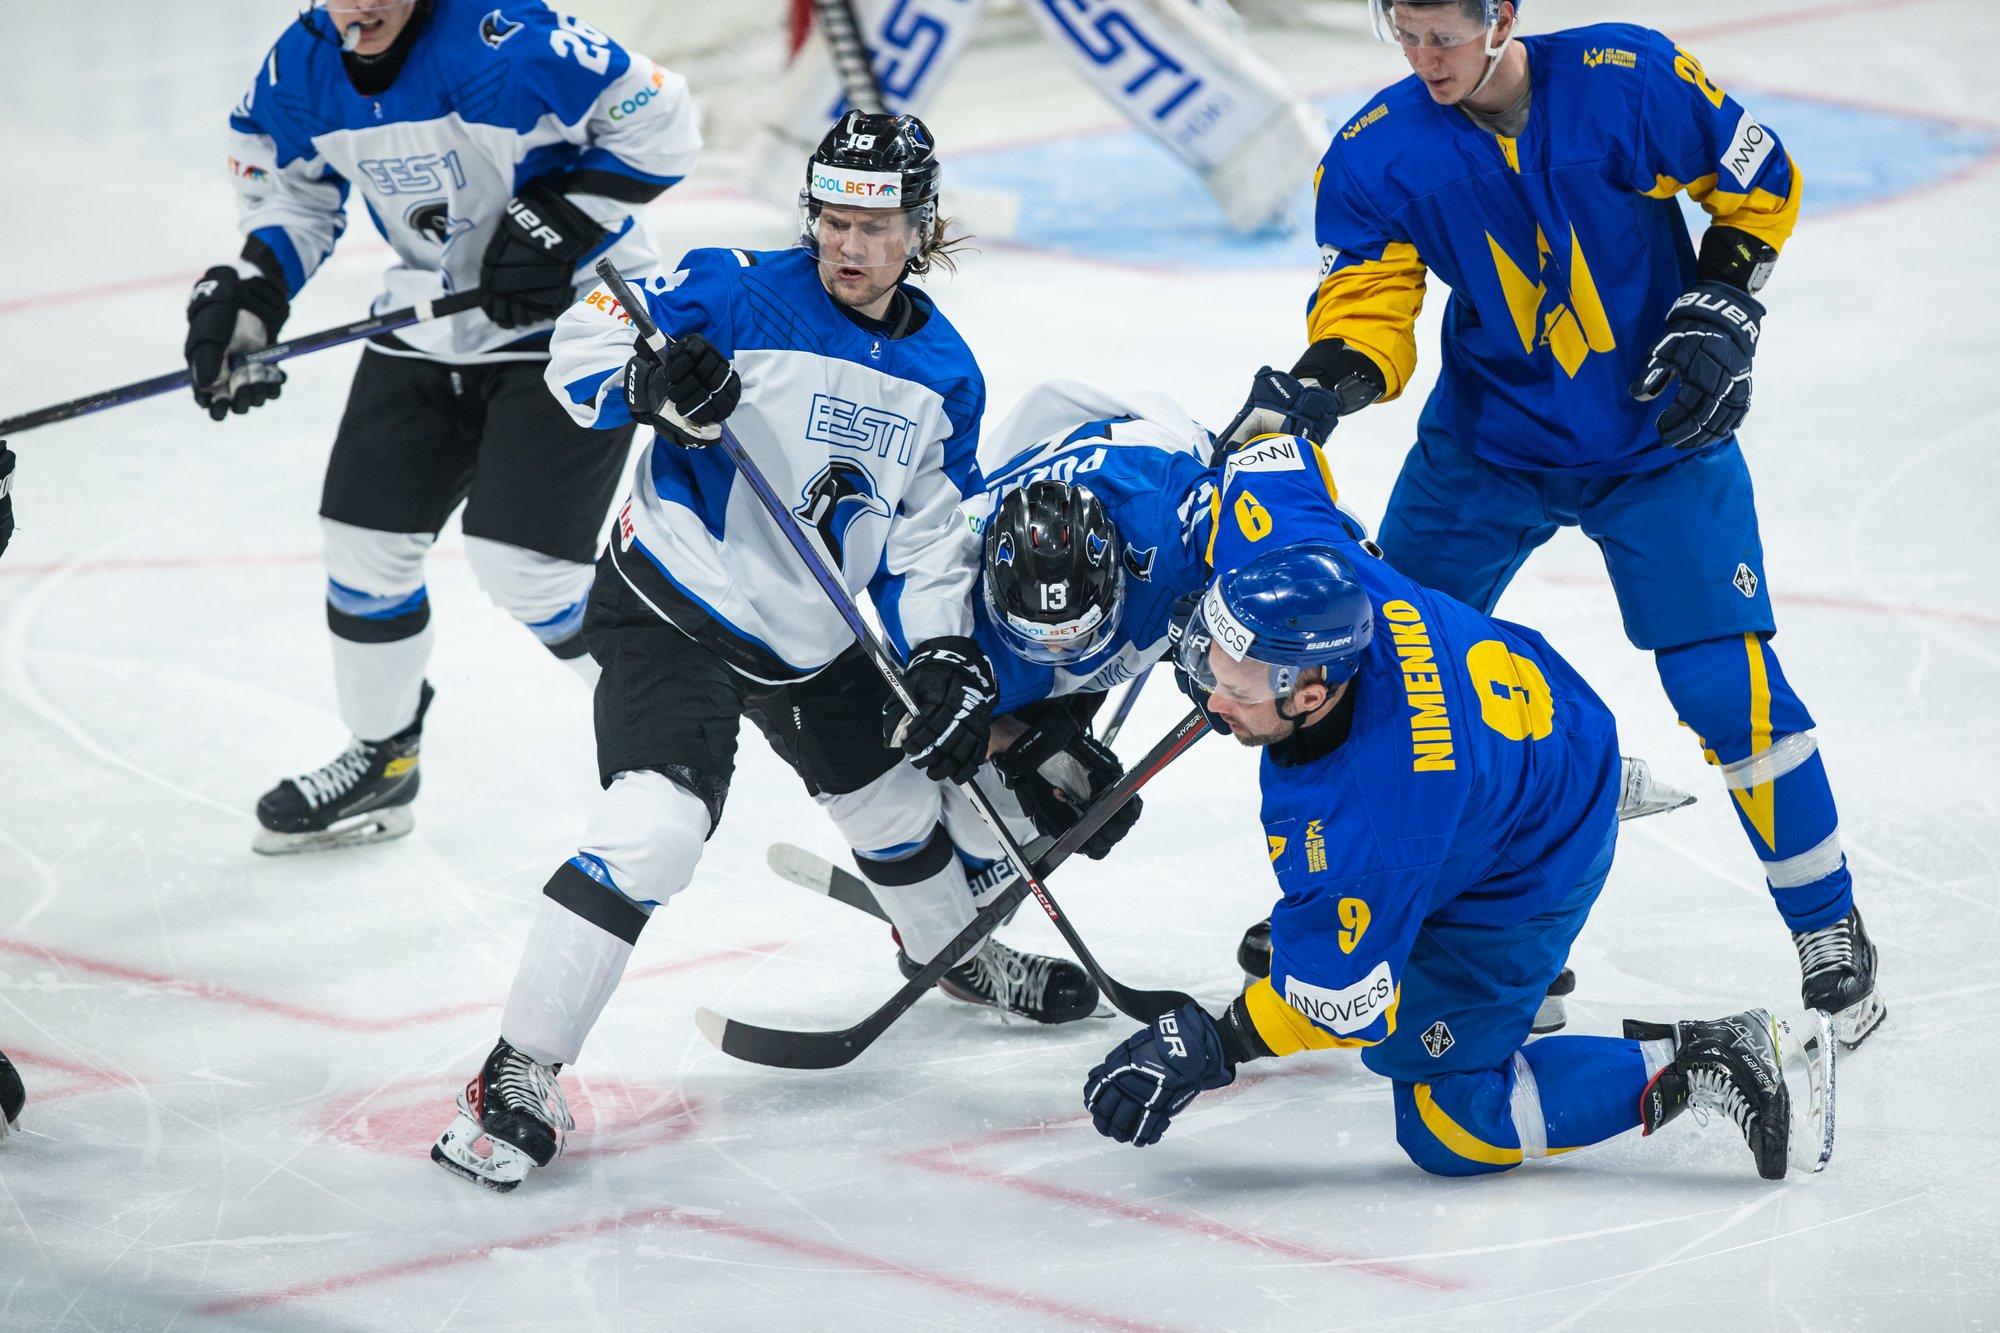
(433,218)
(838,494)
(496,28)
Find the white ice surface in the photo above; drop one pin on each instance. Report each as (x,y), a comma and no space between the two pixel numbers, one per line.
(236,1063)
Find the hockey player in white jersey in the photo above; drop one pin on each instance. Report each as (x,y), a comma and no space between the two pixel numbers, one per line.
(500,146)
(855,396)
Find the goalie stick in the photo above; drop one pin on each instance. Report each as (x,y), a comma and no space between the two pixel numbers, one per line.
(386,322)
(789,1049)
(1142,1006)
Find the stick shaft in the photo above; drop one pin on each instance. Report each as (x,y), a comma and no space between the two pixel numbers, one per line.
(387,322)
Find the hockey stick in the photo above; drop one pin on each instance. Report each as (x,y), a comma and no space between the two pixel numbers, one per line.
(1143,1006)
(1130,697)
(851,60)
(811,871)
(420,313)
(786,1048)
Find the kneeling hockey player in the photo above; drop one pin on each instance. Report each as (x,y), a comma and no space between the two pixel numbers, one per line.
(1439,803)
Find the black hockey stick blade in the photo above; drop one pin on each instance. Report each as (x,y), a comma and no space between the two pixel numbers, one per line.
(785,1048)
(823,877)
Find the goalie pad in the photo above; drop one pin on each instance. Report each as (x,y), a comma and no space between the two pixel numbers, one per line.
(1184,72)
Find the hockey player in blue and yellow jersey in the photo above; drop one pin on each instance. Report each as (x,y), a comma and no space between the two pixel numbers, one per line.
(1440,807)
(1595,368)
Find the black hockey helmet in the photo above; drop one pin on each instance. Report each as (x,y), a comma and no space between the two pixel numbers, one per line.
(874,160)
(1054,572)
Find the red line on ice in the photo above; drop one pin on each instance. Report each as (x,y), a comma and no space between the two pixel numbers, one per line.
(1826,601)
(706,1223)
(945,1159)
(88,1078)
(220,994)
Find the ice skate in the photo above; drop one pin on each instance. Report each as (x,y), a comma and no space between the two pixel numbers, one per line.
(1771,1077)
(1036,986)
(511,1118)
(362,796)
(1553,1014)
(1641,794)
(1838,963)
(12,1096)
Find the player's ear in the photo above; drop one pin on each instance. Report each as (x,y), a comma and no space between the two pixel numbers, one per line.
(1503,26)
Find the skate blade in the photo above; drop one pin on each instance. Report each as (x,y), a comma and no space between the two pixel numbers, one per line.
(1659,800)
(1806,1053)
(501,1168)
(355,831)
(1853,1024)
(1552,1016)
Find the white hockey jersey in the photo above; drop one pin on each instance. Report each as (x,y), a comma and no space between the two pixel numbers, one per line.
(872,438)
(490,98)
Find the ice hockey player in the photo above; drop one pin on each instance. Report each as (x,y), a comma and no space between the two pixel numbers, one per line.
(1182,72)
(1439,796)
(12,1096)
(853,393)
(1537,177)
(1097,520)
(494,145)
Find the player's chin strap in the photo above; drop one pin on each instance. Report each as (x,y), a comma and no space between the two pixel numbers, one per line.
(1493,54)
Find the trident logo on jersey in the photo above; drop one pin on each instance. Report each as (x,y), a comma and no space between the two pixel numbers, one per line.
(841,493)
(1571,329)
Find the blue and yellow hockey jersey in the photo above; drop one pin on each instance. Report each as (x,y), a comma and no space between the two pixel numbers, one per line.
(1563,248)
(1477,767)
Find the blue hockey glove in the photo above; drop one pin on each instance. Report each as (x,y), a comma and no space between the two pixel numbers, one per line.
(1177,624)
(1150,1078)
(1279,404)
(1710,338)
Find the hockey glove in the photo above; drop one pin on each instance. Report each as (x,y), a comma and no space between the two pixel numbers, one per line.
(952,684)
(528,273)
(1282,405)
(6,496)
(685,397)
(1149,1078)
(1177,624)
(1056,769)
(231,314)
(1710,338)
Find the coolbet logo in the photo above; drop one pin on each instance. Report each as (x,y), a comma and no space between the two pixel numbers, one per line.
(637,101)
(1611,55)
(1344,1011)
(880,192)
(1365,121)
(1571,329)
(1430,719)
(600,299)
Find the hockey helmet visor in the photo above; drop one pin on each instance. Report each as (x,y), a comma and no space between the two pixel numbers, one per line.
(871,190)
(1259,629)
(1442,24)
(1052,575)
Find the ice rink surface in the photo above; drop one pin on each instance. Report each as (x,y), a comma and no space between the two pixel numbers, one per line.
(236,1063)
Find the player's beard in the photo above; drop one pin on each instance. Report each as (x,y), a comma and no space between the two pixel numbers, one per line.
(858,288)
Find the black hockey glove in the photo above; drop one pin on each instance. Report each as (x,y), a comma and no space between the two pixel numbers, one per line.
(1056,769)
(6,496)
(1710,338)
(229,313)
(1177,624)
(1280,404)
(952,684)
(686,396)
(1149,1078)
(528,273)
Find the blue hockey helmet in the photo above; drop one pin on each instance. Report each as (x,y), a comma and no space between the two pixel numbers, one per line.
(1259,627)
